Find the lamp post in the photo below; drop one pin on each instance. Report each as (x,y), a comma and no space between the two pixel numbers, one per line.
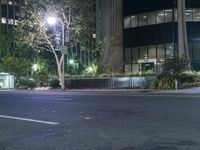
(52,21)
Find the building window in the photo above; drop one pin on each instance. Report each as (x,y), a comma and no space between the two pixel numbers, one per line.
(127,22)
(175,15)
(170,50)
(188,14)
(10,2)
(142,19)
(160,52)
(143,52)
(3,20)
(168,15)
(196,51)
(196,15)
(151,18)
(128,55)
(190,49)
(134,21)
(135,67)
(135,54)
(152,52)
(10,21)
(128,68)
(160,16)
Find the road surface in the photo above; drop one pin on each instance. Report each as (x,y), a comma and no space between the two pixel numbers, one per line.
(99,121)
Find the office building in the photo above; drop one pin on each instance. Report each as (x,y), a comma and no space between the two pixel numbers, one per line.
(153,30)
(156,30)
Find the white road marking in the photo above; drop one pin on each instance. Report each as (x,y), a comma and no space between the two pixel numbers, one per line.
(51,99)
(29,120)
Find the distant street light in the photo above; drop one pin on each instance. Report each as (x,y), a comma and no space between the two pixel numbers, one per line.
(35,67)
(71,61)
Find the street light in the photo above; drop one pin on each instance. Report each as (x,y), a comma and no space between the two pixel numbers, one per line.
(35,67)
(51,20)
(71,61)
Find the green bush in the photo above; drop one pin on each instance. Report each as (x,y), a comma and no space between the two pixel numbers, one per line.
(54,84)
(163,84)
(25,84)
(187,78)
(154,84)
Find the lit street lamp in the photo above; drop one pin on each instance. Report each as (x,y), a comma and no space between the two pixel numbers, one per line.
(35,67)
(52,21)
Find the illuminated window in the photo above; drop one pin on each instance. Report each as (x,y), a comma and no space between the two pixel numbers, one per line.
(3,20)
(151,18)
(16,22)
(160,16)
(10,21)
(10,2)
(127,22)
(168,15)
(196,15)
(169,50)
(188,14)
(142,19)
(134,21)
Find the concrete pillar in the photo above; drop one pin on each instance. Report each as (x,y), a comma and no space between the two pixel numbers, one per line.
(182,31)
(109,25)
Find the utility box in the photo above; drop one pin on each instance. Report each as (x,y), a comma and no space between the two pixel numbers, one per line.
(7,81)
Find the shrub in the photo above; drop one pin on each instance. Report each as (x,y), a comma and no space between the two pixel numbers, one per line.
(25,84)
(154,84)
(54,83)
(163,84)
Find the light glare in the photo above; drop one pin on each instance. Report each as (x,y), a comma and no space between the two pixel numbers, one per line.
(51,20)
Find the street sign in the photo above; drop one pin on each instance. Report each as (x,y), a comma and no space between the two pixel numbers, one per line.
(63,49)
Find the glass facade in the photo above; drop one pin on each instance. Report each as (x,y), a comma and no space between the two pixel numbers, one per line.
(149,18)
(158,17)
(152,34)
(149,53)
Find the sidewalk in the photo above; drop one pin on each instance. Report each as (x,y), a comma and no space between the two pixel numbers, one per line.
(189,90)
(195,90)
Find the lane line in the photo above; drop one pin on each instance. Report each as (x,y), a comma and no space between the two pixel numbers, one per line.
(50,99)
(158,95)
(29,120)
(164,95)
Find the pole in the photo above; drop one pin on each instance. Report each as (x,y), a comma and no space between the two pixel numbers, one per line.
(63,62)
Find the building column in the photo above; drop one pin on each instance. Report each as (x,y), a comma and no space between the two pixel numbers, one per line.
(182,31)
(109,25)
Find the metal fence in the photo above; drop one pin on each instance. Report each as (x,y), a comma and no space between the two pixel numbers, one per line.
(6,81)
(110,83)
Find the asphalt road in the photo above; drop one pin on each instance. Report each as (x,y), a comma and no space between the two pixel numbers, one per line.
(99,121)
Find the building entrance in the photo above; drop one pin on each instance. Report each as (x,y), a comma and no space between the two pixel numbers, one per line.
(147,67)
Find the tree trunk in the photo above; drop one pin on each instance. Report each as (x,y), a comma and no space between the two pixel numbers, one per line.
(59,69)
